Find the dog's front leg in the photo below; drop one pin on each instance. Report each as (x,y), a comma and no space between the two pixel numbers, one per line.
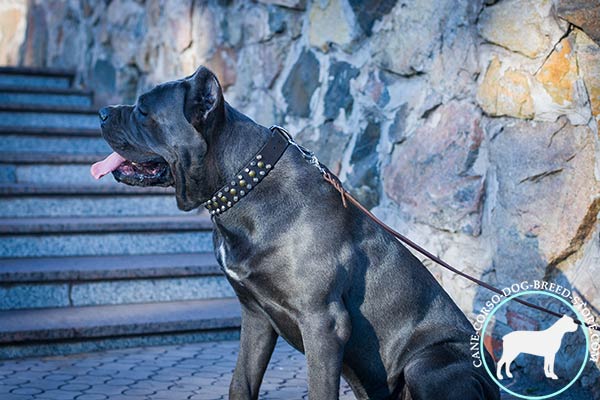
(257,341)
(324,335)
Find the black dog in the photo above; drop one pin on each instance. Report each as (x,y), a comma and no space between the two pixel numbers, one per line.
(326,278)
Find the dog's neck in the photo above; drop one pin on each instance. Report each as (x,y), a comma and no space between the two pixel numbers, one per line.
(238,142)
(230,148)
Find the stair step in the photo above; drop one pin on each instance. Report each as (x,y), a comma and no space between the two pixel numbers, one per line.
(19,226)
(28,96)
(46,237)
(26,200)
(131,319)
(45,131)
(100,190)
(75,173)
(88,205)
(98,268)
(16,115)
(33,143)
(36,77)
(85,281)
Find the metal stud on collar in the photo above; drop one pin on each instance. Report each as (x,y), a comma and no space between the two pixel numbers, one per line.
(251,174)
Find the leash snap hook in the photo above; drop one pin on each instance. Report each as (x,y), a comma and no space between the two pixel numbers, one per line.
(306,154)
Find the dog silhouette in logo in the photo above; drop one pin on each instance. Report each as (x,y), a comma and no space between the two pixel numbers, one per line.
(539,343)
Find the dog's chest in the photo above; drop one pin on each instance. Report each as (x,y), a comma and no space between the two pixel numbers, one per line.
(247,290)
(229,269)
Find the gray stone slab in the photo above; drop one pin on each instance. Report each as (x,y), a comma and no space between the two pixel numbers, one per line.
(75,174)
(24,157)
(17,189)
(32,119)
(188,222)
(150,290)
(44,144)
(8,173)
(54,245)
(54,324)
(54,99)
(93,268)
(87,206)
(34,296)
(34,81)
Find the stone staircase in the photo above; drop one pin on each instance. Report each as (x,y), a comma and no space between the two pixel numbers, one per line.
(87,265)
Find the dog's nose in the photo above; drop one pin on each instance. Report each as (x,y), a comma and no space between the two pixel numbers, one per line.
(104,112)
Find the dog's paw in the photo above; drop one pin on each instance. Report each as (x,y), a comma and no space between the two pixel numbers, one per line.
(499,376)
(553,376)
(508,374)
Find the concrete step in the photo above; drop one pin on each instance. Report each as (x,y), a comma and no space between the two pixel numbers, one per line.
(15,141)
(43,168)
(101,268)
(53,331)
(15,115)
(27,96)
(34,143)
(45,131)
(52,174)
(50,237)
(82,190)
(84,281)
(48,171)
(79,203)
(36,77)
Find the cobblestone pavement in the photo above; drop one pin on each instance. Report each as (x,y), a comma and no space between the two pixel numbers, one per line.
(191,371)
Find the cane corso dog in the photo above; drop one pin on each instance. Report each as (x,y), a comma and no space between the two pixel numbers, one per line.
(324,277)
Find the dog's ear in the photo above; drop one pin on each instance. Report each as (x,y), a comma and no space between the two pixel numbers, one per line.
(204,104)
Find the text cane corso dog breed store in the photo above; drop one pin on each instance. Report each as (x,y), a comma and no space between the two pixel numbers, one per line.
(305,266)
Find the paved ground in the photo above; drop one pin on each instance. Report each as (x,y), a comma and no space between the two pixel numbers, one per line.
(200,371)
(193,371)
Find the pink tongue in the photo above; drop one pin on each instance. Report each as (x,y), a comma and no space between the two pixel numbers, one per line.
(107,165)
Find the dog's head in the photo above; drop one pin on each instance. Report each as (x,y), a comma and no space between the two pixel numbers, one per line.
(162,139)
(568,324)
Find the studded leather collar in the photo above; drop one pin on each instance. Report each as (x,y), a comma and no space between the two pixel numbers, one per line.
(251,174)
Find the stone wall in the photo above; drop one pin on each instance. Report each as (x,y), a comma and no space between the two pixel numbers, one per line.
(469,125)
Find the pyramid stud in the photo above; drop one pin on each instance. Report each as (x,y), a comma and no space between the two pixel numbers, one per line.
(259,157)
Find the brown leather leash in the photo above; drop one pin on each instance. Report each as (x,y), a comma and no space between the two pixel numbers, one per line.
(346,196)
